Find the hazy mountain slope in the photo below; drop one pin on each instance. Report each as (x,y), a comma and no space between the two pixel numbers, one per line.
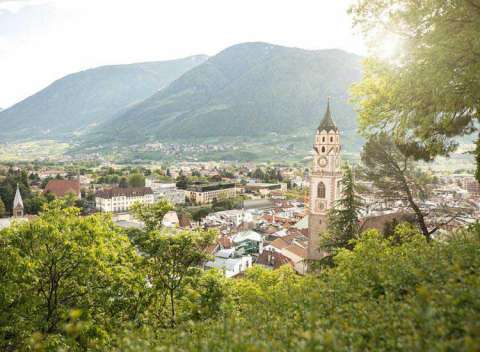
(246,90)
(89,97)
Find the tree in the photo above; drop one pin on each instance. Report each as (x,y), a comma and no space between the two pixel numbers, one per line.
(136,180)
(343,219)
(123,183)
(383,295)
(2,208)
(258,174)
(429,94)
(396,175)
(182,181)
(64,263)
(35,204)
(172,259)
(200,214)
(151,214)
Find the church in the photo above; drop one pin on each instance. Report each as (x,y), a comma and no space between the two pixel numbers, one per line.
(325,181)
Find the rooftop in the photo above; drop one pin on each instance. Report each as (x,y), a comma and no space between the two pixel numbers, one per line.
(60,188)
(124,192)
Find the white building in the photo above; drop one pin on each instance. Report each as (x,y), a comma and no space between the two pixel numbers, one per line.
(229,263)
(234,217)
(121,199)
(170,219)
(168,191)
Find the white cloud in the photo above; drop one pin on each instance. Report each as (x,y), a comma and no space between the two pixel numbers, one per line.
(51,38)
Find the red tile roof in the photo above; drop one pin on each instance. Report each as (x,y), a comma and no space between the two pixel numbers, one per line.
(279,243)
(60,188)
(225,242)
(273,259)
(297,250)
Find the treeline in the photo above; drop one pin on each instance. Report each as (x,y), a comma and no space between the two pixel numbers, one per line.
(80,283)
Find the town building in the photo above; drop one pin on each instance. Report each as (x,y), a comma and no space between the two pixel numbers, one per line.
(248,242)
(273,260)
(208,193)
(264,189)
(229,262)
(325,180)
(471,185)
(61,188)
(121,199)
(168,191)
(170,220)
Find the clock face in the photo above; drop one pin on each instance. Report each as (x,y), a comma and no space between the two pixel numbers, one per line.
(322,162)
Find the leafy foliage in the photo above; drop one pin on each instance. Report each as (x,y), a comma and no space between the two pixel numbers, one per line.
(383,295)
(397,176)
(151,214)
(429,94)
(136,180)
(171,260)
(77,283)
(60,263)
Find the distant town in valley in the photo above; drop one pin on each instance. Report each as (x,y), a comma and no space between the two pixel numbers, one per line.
(258,208)
(239,176)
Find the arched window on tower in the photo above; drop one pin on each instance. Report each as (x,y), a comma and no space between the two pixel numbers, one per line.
(321,190)
(323,149)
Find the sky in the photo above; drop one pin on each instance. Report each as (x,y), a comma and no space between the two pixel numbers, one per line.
(44,40)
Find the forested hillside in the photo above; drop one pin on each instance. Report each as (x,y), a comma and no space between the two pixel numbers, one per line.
(246,90)
(88,98)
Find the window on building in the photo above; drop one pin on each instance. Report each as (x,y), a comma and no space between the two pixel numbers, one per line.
(323,149)
(321,190)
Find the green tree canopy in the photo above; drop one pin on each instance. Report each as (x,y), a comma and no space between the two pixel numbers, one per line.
(172,259)
(62,263)
(136,180)
(344,217)
(429,93)
(151,214)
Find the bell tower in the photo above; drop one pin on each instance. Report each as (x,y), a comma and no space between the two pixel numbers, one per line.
(325,187)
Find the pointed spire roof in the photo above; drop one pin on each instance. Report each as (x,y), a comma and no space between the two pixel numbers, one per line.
(18,202)
(327,123)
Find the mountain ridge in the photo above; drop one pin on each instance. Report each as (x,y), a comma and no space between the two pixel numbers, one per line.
(246,89)
(86,97)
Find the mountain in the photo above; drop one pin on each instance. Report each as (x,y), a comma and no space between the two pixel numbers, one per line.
(248,89)
(89,97)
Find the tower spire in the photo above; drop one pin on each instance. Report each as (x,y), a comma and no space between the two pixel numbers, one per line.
(17,204)
(327,123)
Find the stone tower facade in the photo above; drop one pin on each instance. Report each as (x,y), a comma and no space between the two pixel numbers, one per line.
(325,177)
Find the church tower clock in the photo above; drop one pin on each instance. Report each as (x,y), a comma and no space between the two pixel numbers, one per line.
(324,180)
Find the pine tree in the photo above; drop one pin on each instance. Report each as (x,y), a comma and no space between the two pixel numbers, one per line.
(344,217)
